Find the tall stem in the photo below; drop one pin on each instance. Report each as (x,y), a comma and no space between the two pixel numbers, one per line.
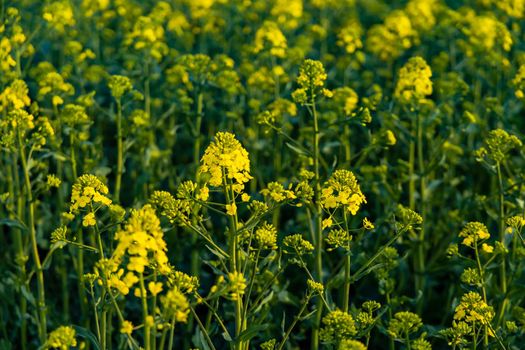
(501,226)
(147,344)
(346,297)
(240,324)
(41,299)
(317,226)
(120,160)
(420,258)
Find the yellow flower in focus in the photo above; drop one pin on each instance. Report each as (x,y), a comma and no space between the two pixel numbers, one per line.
(89,220)
(487,248)
(155,287)
(236,285)
(226,157)
(126,328)
(231,209)
(62,338)
(367,224)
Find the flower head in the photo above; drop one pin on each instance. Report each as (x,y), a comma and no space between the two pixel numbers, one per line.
(226,159)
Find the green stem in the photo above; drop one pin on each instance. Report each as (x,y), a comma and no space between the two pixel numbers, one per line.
(21,256)
(420,257)
(317,225)
(296,319)
(147,344)
(120,158)
(484,292)
(501,226)
(346,297)
(41,300)
(234,261)
(203,329)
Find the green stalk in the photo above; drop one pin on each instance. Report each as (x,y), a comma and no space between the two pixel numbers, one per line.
(240,325)
(501,225)
(481,272)
(19,247)
(420,257)
(120,160)
(41,299)
(346,297)
(296,319)
(147,344)
(317,226)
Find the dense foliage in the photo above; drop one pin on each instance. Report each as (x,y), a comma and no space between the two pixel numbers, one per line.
(262,174)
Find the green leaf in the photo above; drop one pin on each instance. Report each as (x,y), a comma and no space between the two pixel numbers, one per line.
(251,332)
(296,149)
(87,334)
(13,223)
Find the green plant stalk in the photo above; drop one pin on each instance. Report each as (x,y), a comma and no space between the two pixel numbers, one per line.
(19,247)
(501,226)
(147,341)
(120,157)
(296,319)
(420,257)
(240,324)
(194,260)
(317,226)
(41,299)
(203,329)
(481,272)
(346,297)
(391,344)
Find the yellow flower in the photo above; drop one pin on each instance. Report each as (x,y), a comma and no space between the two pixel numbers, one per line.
(126,328)
(89,220)
(62,338)
(237,285)
(487,248)
(226,156)
(414,82)
(245,197)
(155,288)
(327,223)
(231,209)
(367,224)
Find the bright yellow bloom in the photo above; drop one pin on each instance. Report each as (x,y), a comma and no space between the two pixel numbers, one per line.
(89,219)
(126,328)
(226,159)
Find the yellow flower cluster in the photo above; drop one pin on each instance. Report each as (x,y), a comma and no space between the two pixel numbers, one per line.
(349,37)
(342,190)
(474,233)
(497,146)
(391,38)
(414,83)
(236,285)
(485,34)
(422,14)
(142,243)
(226,160)
(62,338)
(472,309)
(277,193)
(148,34)
(266,236)
(15,96)
(337,325)
(6,61)
(287,12)
(53,83)
(119,85)
(311,79)
(59,15)
(176,305)
(88,190)
(269,37)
